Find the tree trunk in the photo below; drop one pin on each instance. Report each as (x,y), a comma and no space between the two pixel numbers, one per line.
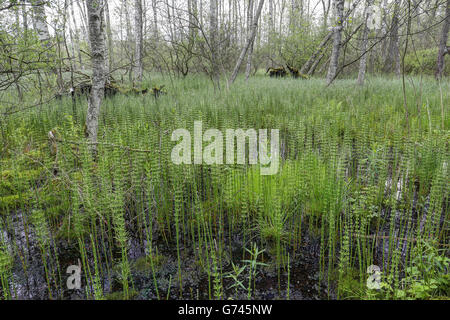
(76,35)
(250,50)
(319,52)
(271,21)
(392,61)
(98,56)
(25,19)
(84,19)
(139,39)
(310,65)
(294,15)
(332,69)
(443,49)
(365,40)
(190,19)
(129,40)
(213,32)
(250,39)
(110,38)
(155,20)
(326,10)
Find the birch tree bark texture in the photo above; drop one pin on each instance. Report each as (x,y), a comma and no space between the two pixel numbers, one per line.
(337,36)
(95,10)
(139,40)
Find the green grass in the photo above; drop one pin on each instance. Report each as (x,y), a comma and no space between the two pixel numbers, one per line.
(340,146)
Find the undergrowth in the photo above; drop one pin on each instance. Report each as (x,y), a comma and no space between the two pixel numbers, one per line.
(370,183)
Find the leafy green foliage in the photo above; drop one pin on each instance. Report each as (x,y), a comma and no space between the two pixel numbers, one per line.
(424,62)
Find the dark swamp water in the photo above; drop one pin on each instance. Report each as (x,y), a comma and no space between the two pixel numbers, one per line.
(38,275)
(31,278)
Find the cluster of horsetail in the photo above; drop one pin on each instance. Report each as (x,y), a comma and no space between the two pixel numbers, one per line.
(359,185)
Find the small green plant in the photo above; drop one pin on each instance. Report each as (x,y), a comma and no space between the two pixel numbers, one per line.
(235,275)
(427,276)
(252,266)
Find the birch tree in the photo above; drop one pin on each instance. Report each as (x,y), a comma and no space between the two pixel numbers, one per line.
(76,34)
(213,32)
(110,39)
(155,20)
(365,39)
(95,13)
(139,40)
(250,39)
(392,61)
(337,36)
(250,50)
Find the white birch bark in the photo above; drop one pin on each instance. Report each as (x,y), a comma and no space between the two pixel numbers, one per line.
(98,56)
(139,40)
(337,36)
(155,20)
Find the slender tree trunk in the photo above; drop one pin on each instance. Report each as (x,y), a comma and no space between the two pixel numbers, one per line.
(25,19)
(60,37)
(235,21)
(319,51)
(270,28)
(19,33)
(139,40)
(310,65)
(155,20)
(84,19)
(250,39)
(332,69)
(110,38)
(190,19)
(282,7)
(129,41)
(326,10)
(213,32)
(365,39)
(249,30)
(443,49)
(76,35)
(98,56)
(315,64)
(392,62)
(294,15)
(193,22)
